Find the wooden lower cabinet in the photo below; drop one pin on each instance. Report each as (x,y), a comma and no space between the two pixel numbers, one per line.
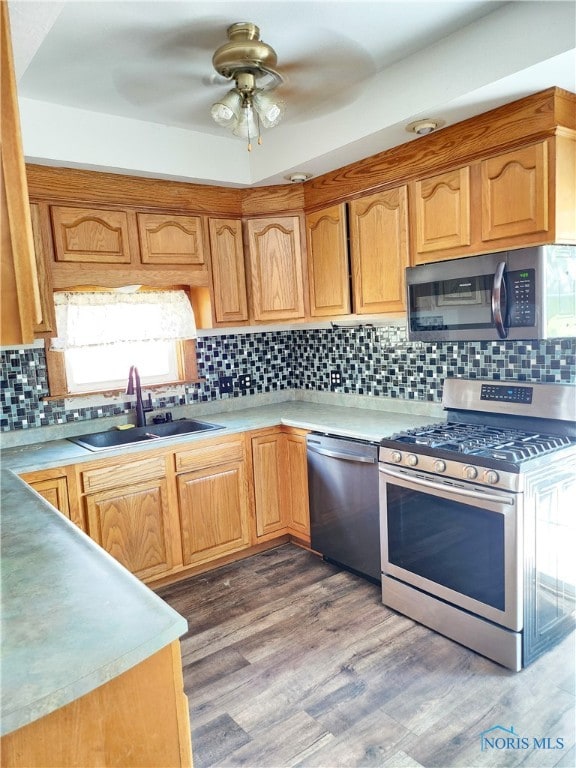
(268,457)
(133,524)
(164,512)
(214,517)
(136,720)
(298,508)
(57,487)
(55,491)
(280,477)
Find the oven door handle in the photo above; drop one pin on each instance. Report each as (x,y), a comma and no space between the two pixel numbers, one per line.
(342,455)
(480,495)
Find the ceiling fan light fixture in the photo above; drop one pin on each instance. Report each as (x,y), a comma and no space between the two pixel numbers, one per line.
(250,63)
(226,111)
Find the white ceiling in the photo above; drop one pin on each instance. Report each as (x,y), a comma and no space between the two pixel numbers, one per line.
(126,85)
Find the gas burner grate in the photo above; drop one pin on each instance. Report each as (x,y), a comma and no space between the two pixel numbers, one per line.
(504,444)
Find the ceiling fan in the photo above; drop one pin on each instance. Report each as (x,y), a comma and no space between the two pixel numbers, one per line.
(251,103)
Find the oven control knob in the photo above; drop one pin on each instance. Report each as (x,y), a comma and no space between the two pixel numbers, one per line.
(411,460)
(396,456)
(440,466)
(470,473)
(491,477)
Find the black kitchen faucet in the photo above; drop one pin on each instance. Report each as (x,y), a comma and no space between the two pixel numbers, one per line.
(134,387)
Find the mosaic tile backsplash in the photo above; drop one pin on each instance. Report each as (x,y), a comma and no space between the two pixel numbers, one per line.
(374,361)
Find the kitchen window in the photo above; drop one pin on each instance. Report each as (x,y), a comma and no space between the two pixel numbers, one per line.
(102,333)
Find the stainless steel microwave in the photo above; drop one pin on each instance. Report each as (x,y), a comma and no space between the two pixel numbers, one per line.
(529,293)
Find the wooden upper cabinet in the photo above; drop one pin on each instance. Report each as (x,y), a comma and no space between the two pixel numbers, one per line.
(228,273)
(166,239)
(379,250)
(20,299)
(276,268)
(515,193)
(43,249)
(441,213)
(91,235)
(328,264)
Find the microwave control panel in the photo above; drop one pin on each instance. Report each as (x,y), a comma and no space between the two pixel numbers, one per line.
(521,297)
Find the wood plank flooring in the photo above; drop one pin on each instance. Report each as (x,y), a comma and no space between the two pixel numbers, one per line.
(290,661)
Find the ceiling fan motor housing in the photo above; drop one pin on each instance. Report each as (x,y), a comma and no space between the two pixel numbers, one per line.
(245,52)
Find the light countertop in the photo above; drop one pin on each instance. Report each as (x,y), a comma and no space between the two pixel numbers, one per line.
(72,617)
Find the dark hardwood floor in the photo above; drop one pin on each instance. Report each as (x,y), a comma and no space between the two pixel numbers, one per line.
(290,661)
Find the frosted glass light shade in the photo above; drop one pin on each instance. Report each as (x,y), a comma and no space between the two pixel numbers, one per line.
(246,127)
(226,111)
(270,108)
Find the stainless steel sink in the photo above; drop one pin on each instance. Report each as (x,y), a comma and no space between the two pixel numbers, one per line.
(113,438)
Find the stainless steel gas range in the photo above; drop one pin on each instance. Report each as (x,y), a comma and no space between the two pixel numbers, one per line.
(478,518)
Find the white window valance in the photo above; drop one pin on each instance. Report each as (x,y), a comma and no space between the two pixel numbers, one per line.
(86,319)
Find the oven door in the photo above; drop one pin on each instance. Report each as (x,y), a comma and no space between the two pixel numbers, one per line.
(456,541)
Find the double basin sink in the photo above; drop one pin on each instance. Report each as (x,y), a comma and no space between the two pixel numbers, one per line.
(114,438)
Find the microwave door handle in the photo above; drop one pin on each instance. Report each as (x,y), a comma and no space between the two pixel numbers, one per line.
(499,299)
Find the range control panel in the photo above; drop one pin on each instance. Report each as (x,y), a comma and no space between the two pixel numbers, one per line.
(506,393)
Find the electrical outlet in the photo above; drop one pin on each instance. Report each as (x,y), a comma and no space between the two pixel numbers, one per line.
(245,381)
(335,378)
(226,385)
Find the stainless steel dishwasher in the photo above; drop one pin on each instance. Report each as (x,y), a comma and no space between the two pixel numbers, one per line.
(343,491)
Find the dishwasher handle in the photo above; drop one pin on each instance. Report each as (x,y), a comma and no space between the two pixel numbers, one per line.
(346,455)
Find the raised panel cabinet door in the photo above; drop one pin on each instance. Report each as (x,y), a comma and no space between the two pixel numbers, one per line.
(55,491)
(166,239)
(228,272)
(442,212)
(20,299)
(297,486)
(213,512)
(275,259)
(90,235)
(379,250)
(270,478)
(133,524)
(328,261)
(43,247)
(515,193)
